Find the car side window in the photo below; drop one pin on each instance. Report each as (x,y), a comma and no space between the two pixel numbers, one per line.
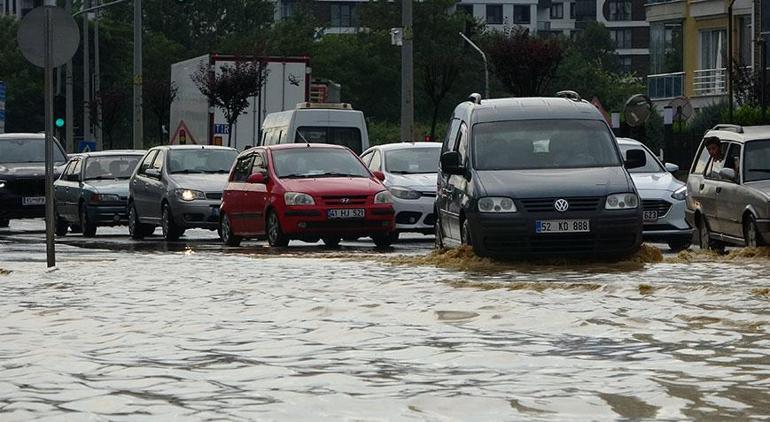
(376,162)
(703,158)
(68,170)
(367,158)
(260,164)
(242,168)
(76,169)
(451,136)
(147,162)
(733,160)
(462,144)
(713,167)
(157,163)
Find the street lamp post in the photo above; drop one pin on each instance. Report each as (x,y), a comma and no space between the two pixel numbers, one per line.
(486,66)
(137,80)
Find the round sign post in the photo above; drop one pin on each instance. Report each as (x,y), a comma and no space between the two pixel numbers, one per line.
(48,37)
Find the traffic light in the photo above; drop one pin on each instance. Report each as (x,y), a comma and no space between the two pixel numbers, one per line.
(59,122)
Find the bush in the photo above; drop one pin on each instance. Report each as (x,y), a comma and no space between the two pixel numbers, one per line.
(388,133)
(707,118)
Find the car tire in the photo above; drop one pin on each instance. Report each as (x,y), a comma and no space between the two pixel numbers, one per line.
(275,236)
(226,232)
(62,227)
(88,226)
(751,234)
(332,242)
(382,240)
(704,238)
(136,229)
(171,232)
(679,245)
(4,222)
(439,233)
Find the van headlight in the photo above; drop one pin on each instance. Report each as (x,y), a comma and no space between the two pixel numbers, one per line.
(298,198)
(496,204)
(383,197)
(622,201)
(680,194)
(189,194)
(404,193)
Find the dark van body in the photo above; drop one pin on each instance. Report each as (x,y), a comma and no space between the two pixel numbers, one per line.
(536,176)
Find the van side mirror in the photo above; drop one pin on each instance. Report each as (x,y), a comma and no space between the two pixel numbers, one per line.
(671,167)
(450,163)
(257,178)
(379,175)
(635,158)
(727,174)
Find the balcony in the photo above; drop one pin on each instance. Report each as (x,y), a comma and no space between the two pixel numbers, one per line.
(710,82)
(665,85)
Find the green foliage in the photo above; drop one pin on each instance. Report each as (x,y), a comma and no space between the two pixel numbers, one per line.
(24,83)
(707,118)
(746,115)
(388,133)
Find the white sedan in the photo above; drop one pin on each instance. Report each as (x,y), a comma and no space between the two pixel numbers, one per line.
(663,199)
(411,172)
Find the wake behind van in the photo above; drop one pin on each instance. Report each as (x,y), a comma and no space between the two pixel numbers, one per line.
(324,123)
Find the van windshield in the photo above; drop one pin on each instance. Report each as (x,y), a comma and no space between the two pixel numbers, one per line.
(346,136)
(543,144)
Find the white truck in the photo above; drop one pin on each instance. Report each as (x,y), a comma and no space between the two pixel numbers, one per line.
(194,121)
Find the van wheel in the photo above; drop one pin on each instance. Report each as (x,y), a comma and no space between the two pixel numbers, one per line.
(751,233)
(89,227)
(679,245)
(465,236)
(332,242)
(275,236)
(704,238)
(226,232)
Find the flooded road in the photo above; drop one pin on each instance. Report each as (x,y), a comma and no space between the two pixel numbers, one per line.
(139,330)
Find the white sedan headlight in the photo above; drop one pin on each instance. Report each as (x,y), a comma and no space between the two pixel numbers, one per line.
(383,197)
(189,194)
(496,204)
(298,198)
(622,201)
(680,194)
(404,193)
(2,184)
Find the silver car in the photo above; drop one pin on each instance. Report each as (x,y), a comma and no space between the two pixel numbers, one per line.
(663,199)
(178,187)
(410,171)
(729,194)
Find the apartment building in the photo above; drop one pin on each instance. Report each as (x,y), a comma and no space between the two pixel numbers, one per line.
(18,8)
(689,44)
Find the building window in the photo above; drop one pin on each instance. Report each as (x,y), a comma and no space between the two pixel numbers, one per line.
(521,14)
(621,38)
(286,8)
(557,10)
(465,8)
(495,14)
(344,15)
(713,49)
(572,7)
(745,40)
(619,10)
(626,64)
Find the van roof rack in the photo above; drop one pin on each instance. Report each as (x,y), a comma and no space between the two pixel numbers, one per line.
(730,128)
(475,98)
(333,106)
(571,95)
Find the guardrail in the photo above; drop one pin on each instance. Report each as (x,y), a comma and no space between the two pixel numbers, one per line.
(710,82)
(665,85)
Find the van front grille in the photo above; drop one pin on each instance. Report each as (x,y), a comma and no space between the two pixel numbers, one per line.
(588,203)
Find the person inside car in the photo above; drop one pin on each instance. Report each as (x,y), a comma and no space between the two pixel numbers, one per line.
(718,161)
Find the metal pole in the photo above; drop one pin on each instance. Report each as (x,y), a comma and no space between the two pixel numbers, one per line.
(407,74)
(763,81)
(97,85)
(49,212)
(138,118)
(69,105)
(730,57)
(486,66)
(86,78)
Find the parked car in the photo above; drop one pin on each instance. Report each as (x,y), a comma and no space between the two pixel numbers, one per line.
(336,124)
(93,190)
(536,176)
(410,171)
(663,199)
(22,175)
(728,199)
(307,192)
(178,187)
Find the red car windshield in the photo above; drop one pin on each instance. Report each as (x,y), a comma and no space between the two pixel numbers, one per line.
(317,162)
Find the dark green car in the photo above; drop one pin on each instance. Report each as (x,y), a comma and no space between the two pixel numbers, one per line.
(93,191)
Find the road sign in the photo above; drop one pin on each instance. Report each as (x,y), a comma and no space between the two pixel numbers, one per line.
(86,146)
(2,107)
(30,35)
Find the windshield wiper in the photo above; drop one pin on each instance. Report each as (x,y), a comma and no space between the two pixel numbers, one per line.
(217,171)
(333,174)
(186,171)
(760,170)
(296,176)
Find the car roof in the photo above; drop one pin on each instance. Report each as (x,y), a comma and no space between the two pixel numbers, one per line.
(110,152)
(204,146)
(407,145)
(22,136)
(628,141)
(533,108)
(302,145)
(740,133)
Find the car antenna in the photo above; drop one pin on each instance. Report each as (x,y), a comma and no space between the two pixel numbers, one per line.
(303,138)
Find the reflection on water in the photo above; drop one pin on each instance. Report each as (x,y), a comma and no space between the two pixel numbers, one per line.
(354,334)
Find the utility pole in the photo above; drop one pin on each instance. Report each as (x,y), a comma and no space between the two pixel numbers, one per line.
(97,83)
(138,119)
(486,65)
(86,77)
(407,74)
(69,120)
(730,58)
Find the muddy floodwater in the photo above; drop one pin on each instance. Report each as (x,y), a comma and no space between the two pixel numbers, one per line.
(193,331)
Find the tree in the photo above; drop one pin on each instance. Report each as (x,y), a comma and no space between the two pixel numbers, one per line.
(231,87)
(523,63)
(158,96)
(24,82)
(114,102)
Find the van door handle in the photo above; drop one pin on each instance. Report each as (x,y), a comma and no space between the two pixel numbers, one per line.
(719,189)
(701,186)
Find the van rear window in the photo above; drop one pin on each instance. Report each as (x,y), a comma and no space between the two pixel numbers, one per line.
(346,136)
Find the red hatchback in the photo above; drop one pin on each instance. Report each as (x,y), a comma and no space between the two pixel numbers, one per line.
(306,192)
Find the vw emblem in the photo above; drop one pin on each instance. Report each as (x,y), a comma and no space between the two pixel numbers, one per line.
(345,200)
(561,205)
